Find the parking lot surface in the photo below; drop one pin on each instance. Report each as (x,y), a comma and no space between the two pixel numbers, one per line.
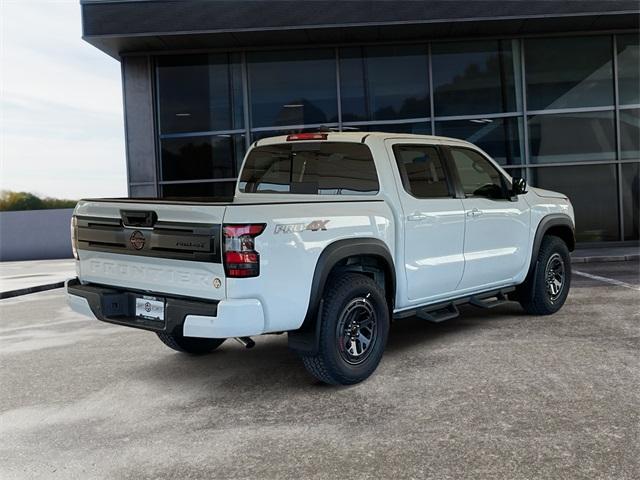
(492,394)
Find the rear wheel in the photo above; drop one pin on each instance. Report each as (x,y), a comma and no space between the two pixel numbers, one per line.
(353,331)
(548,286)
(195,346)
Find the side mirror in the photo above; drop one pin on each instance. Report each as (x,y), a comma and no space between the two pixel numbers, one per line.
(518,186)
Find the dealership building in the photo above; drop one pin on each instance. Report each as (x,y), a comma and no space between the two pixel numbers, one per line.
(550,89)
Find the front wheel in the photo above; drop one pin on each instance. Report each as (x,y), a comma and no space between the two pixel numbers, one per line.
(353,330)
(547,288)
(195,346)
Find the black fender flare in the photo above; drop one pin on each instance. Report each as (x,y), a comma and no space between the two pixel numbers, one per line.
(305,339)
(547,223)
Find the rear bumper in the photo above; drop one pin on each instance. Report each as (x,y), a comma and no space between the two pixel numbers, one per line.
(192,318)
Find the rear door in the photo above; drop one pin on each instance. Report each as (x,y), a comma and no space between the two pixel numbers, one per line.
(496,239)
(433,220)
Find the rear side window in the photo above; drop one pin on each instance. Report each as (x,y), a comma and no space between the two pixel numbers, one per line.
(314,168)
(422,171)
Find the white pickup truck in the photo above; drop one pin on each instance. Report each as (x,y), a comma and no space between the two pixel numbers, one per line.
(329,237)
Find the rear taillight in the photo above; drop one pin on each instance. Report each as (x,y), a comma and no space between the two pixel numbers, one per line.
(240,257)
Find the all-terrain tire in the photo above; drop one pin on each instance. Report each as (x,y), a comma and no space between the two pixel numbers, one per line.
(348,301)
(538,295)
(192,345)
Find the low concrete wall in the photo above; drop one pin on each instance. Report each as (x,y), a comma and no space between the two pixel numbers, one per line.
(35,234)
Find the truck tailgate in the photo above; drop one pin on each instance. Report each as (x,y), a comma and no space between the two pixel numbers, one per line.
(170,248)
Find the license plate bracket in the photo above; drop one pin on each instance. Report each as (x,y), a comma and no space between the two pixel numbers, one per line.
(150,308)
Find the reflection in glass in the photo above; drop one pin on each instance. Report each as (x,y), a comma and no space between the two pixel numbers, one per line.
(476,77)
(293,87)
(199,93)
(208,190)
(499,137)
(631,200)
(195,158)
(628,68)
(384,83)
(478,176)
(422,171)
(571,137)
(630,133)
(312,168)
(418,128)
(568,72)
(593,193)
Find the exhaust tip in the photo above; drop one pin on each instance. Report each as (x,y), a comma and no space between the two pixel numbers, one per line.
(247,342)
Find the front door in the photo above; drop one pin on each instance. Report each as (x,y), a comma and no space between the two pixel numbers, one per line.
(433,220)
(496,240)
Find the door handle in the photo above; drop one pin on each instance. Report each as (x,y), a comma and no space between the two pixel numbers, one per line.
(416,217)
(474,213)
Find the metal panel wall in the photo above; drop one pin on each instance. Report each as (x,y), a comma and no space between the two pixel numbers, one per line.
(140,130)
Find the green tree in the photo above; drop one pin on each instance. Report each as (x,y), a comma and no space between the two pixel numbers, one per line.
(27,201)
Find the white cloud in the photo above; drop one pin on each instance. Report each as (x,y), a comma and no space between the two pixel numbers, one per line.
(61,105)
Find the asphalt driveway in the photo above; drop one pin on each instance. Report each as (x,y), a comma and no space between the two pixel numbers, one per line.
(493,394)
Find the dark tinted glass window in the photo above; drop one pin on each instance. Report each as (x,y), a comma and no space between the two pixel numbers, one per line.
(317,168)
(628,68)
(568,72)
(572,137)
(475,77)
(422,171)
(593,193)
(418,128)
(384,83)
(195,158)
(293,87)
(630,133)
(631,200)
(499,137)
(478,176)
(199,93)
(205,191)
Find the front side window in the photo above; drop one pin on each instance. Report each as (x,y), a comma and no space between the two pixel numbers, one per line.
(422,171)
(314,168)
(478,176)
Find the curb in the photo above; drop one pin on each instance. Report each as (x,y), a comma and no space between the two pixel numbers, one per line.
(25,291)
(605,258)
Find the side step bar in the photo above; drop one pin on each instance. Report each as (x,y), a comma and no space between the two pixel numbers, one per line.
(439,312)
(500,299)
(437,316)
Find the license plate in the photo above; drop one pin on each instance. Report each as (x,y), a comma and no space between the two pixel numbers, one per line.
(150,308)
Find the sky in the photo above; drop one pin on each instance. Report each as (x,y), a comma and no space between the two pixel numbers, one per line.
(61,122)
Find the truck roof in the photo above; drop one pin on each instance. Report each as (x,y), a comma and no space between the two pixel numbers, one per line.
(360,137)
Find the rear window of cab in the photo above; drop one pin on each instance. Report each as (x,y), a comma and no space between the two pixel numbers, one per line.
(313,168)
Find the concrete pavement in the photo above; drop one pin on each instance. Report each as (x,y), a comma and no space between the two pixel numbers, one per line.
(492,394)
(20,278)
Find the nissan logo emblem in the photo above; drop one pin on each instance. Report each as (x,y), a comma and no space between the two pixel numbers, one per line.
(137,240)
